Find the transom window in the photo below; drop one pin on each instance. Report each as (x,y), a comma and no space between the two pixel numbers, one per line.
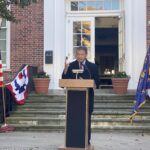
(94,5)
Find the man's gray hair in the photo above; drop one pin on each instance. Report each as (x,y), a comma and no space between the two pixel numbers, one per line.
(82,48)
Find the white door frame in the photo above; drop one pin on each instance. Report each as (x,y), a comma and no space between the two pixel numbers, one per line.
(91,17)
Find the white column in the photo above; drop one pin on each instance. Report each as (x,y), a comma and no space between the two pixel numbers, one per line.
(135,38)
(59,40)
(54,38)
(49,35)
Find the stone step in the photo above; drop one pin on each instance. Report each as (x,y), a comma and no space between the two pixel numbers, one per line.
(61,112)
(64,105)
(126,96)
(61,128)
(138,117)
(29,101)
(111,113)
(60,97)
(96,111)
(61,121)
(57,115)
(99,106)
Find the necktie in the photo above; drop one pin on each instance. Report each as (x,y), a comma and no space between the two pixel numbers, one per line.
(81,65)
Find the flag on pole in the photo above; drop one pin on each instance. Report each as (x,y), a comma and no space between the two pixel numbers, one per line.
(1,72)
(143,88)
(18,87)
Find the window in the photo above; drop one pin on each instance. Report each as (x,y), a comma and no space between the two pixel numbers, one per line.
(3,42)
(81,35)
(95,5)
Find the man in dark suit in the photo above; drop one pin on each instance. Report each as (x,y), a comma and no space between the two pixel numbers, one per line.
(90,72)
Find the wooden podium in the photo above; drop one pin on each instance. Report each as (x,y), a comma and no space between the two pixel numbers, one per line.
(77,113)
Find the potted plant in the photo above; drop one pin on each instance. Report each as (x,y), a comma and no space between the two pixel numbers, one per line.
(41,82)
(120,82)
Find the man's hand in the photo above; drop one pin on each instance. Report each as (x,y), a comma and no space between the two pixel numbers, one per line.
(66,65)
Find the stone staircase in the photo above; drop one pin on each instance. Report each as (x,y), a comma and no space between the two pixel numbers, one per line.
(111,113)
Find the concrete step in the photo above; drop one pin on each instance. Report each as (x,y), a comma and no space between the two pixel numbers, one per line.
(61,121)
(61,128)
(96,111)
(112,96)
(63,105)
(98,97)
(58,101)
(58,107)
(61,112)
(111,113)
(58,115)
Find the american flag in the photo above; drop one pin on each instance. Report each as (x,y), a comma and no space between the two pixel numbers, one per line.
(1,72)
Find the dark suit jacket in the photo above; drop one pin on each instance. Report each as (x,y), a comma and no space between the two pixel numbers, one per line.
(90,72)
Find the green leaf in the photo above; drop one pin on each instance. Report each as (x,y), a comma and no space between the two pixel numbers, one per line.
(6,13)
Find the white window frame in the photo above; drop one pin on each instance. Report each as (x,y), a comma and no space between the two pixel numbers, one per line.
(7,65)
(68,8)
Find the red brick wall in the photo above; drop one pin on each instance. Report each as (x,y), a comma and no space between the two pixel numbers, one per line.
(27,38)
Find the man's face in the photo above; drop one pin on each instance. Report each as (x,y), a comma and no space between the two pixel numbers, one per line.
(81,55)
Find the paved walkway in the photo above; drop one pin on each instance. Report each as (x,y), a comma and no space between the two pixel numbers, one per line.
(51,141)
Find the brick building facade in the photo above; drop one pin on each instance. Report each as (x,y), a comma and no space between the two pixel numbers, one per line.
(26,38)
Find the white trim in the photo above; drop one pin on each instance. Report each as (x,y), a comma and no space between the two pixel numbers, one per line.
(135,42)
(7,27)
(8,43)
(69,6)
(95,14)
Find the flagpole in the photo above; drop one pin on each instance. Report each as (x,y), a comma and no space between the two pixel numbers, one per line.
(4,106)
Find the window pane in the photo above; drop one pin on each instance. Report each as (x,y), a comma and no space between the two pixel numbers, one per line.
(95,5)
(3,34)
(76,39)
(3,41)
(76,27)
(99,5)
(4,57)
(86,28)
(3,45)
(74,6)
(82,6)
(91,5)
(107,5)
(86,40)
(3,23)
(115,4)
